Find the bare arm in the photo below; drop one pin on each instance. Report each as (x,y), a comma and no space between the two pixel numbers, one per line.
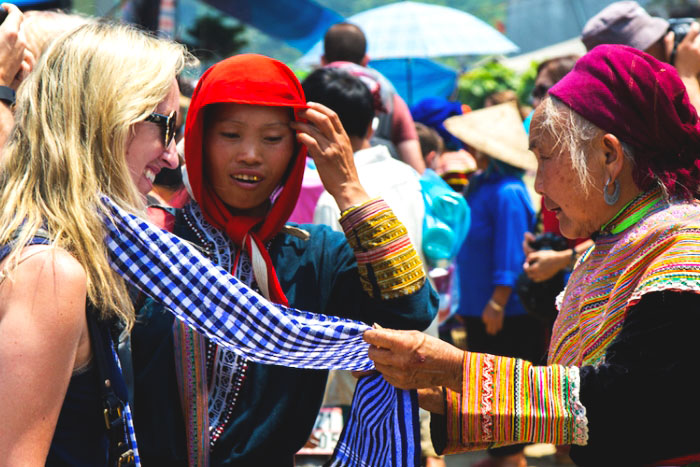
(42,332)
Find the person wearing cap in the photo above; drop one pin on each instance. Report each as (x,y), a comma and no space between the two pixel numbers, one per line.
(617,143)
(627,23)
(491,257)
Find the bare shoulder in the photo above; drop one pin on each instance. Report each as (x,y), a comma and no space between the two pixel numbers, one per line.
(42,331)
(50,263)
(46,279)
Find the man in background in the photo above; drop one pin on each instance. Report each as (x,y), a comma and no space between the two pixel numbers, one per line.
(344,44)
(381,176)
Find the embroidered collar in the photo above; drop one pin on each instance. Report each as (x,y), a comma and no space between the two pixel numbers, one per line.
(632,212)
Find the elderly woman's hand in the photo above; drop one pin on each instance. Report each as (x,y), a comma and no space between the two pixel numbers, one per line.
(330,148)
(412,359)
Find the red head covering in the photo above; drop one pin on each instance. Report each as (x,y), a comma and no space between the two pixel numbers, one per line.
(257,80)
(643,102)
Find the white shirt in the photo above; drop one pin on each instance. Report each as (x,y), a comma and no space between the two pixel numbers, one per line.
(383,177)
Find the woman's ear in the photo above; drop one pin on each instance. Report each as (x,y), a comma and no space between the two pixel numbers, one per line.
(614,155)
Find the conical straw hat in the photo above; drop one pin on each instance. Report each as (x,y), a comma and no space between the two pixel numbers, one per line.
(496,131)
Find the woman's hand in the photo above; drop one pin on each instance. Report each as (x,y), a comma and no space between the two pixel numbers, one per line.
(330,148)
(412,359)
(544,264)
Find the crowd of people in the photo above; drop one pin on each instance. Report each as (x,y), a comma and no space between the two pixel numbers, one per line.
(175,289)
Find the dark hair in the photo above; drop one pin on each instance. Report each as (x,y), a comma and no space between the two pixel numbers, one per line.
(429,139)
(343,93)
(344,42)
(557,67)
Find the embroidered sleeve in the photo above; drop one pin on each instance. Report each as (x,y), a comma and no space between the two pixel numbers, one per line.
(388,264)
(508,400)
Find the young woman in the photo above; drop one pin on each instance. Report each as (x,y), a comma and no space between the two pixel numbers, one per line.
(247,133)
(88,124)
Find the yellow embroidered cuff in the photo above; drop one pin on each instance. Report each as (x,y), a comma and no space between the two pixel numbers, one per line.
(388,264)
(508,400)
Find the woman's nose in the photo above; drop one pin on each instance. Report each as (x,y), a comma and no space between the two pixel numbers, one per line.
(170,157)
(538,182)
(248,153)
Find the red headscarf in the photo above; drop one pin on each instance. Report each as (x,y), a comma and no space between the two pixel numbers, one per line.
(257,80)
(644,103)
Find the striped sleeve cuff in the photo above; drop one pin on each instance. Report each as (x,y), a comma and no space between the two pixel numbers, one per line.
(508,400)
(388,264)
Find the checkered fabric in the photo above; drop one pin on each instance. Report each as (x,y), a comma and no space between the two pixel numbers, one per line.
(128,420)
(383,429)
(216,304)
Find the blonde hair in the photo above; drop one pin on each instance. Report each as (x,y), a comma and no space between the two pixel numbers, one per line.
(42,27)
(74,116)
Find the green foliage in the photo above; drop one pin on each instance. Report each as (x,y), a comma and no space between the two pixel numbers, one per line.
(477,84)
(526,82)
(215,38)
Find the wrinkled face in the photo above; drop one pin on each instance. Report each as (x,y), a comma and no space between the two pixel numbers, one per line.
(146,154)
(247,149)
(579,212)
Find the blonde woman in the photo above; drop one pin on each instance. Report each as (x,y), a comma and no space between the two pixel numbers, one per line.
(92,119)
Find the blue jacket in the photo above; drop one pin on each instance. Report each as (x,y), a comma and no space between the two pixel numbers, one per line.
(492,254)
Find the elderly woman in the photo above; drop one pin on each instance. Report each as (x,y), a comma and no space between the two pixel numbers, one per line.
(617,142)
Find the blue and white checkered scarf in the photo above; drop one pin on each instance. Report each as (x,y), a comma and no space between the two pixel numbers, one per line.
(383,428)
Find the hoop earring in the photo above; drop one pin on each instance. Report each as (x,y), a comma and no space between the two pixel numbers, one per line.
(611,199)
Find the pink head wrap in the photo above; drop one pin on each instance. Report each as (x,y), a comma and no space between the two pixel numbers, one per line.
(643,102)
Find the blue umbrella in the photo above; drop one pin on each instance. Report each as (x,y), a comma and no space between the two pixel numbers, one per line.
(411,30)
(418,79)
(420,30)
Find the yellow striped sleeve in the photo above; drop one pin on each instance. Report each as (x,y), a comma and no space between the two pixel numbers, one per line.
(508,400)
(388,264)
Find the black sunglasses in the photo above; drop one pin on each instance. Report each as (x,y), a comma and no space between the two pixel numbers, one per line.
(166,124)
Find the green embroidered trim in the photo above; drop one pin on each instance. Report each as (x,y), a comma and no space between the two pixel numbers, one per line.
(646,201)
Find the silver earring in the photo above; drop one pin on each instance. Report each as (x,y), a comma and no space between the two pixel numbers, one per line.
(613,198)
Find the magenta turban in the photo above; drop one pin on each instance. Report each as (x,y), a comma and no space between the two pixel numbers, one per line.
(643,102)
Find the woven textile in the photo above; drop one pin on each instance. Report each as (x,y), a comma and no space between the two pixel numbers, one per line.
(392,440)
(508,400)
(216,304)
(383,250)
(660,252)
